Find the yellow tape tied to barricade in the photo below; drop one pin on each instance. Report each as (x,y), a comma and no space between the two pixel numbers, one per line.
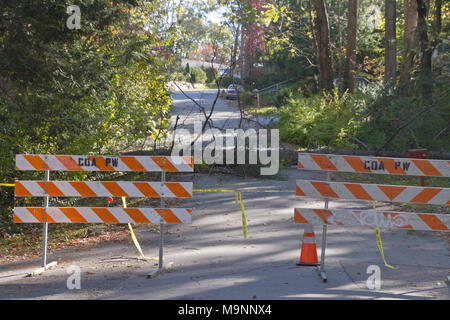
(220,190)
(135,241)
(380,244)
(7,184)
(244,218)
(238,199)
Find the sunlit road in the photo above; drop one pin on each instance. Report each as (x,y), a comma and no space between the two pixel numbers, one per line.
(224,116)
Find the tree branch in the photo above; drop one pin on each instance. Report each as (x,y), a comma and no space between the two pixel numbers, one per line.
(404,125)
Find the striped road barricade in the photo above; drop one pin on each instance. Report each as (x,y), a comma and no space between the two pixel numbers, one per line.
(156,189)
(328,190)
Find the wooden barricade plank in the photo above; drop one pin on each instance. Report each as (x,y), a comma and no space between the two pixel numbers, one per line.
(104,163)
(101,215)
(371,218)
(378,192)
(377,165)
(137,189)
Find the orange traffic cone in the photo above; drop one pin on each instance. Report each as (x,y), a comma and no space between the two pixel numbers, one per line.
(308,253)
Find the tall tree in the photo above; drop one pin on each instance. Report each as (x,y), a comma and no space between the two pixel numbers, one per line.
(426,49)
(350,70)
(340,55)
(323,41)
(390,65)
(410,9)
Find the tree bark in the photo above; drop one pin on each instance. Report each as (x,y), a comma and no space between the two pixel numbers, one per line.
(437,23)
(390,46)
(350,70)
(322,26)
(425,49)
(312,29)
(234,52)
(341,63)
(410,9)
(438,16)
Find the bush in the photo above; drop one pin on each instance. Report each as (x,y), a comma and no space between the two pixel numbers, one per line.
(179,76)
(246,98)
(225,81)
(211,74)
(374,118)
(187,70)
(319,120)
(427,119)
(282,96)
(197,76)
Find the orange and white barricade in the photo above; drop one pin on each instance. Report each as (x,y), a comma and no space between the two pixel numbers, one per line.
(375,192)
(157,189)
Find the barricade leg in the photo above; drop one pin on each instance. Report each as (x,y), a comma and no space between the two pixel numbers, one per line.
(321,267)
(154,273)
(45,265)
(45,228)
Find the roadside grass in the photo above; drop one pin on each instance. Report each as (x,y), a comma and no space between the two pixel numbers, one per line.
(262,111)
(212,85)
(28,243)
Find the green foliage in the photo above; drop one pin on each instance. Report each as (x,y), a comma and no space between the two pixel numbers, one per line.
(93,90)
(319,121)
(179,76)
(187,69)
(211,74)
(373,118)
(246,98)
(282,96)
(225,81)
(197,75)
(427,121)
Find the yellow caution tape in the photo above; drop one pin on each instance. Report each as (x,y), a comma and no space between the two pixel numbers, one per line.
(218,190)
(380,245)
(212,190)
(7,184)
(244,218)
(135,241)
(238,198)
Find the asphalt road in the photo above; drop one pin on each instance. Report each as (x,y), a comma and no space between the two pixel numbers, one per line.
(226,114)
